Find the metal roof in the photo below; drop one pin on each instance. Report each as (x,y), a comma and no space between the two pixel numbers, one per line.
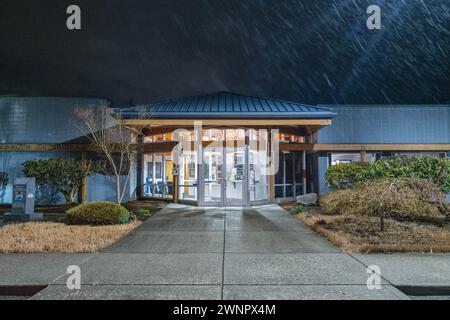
(228,106)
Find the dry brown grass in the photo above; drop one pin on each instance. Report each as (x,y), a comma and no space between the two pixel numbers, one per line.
(362,234)
(58,237)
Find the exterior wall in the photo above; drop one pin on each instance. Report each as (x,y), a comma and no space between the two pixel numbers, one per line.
(100,187)
(388,124)
(12,162)
(355,124)
(50,120)
(103,188)
(44,120)
(41,120)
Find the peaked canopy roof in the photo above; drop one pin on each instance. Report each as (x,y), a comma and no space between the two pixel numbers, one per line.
(227,106)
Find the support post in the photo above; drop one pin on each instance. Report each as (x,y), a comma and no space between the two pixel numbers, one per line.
(139,169)
(363,155)
(175,183)
(271,173)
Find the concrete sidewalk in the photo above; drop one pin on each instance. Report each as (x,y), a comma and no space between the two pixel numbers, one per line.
(196,253)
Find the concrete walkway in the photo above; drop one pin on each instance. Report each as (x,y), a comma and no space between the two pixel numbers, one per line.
(195,253)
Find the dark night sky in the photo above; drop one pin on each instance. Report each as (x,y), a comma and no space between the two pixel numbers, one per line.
(302,50)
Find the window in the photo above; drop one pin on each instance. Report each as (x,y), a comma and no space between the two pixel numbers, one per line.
(342,158)
(289,178)
(158,178)
(288,137)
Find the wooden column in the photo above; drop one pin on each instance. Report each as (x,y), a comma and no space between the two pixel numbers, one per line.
(84,181)
(271,188)
(363,155)
(139,169)
(304,190)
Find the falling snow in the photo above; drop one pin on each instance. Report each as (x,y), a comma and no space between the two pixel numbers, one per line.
(307,51)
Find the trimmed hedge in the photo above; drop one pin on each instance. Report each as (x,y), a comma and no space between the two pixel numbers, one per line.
(98,213)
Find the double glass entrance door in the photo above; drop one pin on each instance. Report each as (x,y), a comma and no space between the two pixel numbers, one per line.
(224,176)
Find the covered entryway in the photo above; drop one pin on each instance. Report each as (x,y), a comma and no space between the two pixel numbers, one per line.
(224,169)
(225,177)
(224,149)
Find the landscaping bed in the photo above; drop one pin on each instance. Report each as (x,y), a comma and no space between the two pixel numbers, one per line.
(56,213)
(362,234)
(53,213)
(54,235)
(31,237)
(141,206)
(391,205)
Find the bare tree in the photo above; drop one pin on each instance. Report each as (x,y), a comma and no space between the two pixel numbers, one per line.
(4,177)
(114,140)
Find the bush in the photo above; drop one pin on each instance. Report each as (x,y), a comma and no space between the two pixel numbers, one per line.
(436,170)
(142,212)
(132,217)
(343,176)
(407,197)
(60,175)
(4,180)
(299,209)
(98,213)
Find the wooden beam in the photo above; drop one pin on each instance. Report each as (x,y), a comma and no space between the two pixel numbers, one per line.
(29,147)
(163,146)
(284,146)
(227,122)
(298,130)
(362,147)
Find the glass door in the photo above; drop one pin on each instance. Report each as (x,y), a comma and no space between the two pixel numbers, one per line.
(234,176)
(212,176)
(224,172)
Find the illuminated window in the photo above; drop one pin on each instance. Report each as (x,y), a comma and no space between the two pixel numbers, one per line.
(157,174)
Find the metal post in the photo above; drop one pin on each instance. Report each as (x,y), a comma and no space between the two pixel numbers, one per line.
(198,146)
(272,173)
(246,183)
